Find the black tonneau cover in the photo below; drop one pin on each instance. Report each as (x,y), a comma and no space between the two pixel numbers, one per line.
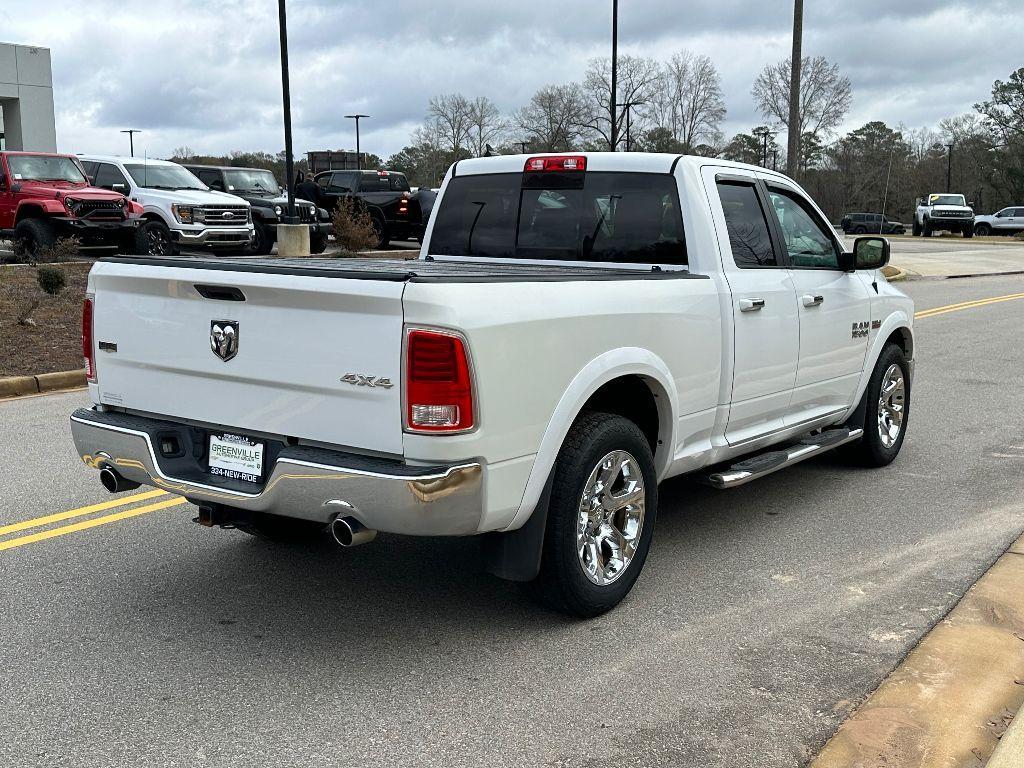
(408,270)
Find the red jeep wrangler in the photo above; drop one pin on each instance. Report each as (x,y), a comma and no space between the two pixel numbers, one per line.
(44,197)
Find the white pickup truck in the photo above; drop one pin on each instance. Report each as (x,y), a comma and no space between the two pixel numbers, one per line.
(578,328)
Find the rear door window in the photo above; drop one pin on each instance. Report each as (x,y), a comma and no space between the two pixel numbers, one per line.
(631,218)
(748,228)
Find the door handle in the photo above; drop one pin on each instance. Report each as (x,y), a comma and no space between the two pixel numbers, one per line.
(751,305)
(812,301)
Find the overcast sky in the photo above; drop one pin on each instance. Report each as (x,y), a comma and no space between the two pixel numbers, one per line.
(206,74)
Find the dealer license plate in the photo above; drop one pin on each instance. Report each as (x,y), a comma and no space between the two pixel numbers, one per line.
(236,457)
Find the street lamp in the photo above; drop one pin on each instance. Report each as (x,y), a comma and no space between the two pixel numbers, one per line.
(359,155)
(949,168)
(628,106)
(131,139)
(282,20)
(615,74)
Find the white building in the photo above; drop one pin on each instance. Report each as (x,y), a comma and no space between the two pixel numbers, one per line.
(26,99)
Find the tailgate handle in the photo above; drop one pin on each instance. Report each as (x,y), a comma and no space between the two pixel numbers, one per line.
(220,292)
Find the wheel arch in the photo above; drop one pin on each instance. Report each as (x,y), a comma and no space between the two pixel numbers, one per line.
(896,329)
(630,381)
(29,211)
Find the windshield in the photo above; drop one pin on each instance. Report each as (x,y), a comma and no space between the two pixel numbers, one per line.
(630,218)
(947,200)
(45,168)
(251,180)
(163,177)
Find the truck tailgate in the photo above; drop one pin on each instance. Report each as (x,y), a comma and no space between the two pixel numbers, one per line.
(298,338)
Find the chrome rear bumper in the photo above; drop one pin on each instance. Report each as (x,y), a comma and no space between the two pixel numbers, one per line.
(301,482)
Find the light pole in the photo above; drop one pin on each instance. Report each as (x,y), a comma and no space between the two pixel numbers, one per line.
(949,168)
(614,136)
(282,19)
(793,144)
(628,106)
(131,139)
(359,155)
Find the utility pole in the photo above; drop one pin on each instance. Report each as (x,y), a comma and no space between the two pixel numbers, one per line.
(949,168)
(359,154)
(793,147)
(282,19)
(131,139)
(523,145)
(615,75)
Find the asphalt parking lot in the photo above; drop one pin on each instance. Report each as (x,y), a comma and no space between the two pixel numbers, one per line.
(765,613)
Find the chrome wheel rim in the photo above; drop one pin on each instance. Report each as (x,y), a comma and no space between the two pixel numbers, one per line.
(891,406)
(157,242)
(611,518)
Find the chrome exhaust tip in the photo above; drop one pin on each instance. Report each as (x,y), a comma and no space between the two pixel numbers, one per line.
(114,483)
(349,532)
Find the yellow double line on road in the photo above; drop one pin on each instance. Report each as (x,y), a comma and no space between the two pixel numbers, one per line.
(966,305)
(93,522)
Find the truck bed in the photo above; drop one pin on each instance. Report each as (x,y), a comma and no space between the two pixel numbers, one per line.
(412,270)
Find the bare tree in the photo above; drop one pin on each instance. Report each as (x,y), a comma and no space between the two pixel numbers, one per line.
(552,120)
(451,114)
(485,124)
(638,81)
(825,95)
(693,89)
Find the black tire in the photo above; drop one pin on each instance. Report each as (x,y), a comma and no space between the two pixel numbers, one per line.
(380,227)
(968,230)
(282,530)
(859,230)
(31,237)
(916,228)
(317,243)
(562,584)
(926,228)
(870,450)
(153,238)
(983,230)
(262,241)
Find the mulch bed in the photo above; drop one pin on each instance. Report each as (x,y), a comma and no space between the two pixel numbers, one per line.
(55,342)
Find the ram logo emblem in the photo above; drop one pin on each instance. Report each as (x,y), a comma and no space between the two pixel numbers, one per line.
(224,338)
(362,380)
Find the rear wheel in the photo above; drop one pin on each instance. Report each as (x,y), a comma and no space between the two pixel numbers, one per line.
(32,237)
(887,411)
(380,228)
(154,239)
(601,514)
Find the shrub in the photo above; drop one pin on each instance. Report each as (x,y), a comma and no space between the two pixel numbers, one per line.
(353,227)
(1019,236)
(51,280)
(65,249)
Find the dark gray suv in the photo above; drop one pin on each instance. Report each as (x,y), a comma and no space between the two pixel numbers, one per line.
(874,223)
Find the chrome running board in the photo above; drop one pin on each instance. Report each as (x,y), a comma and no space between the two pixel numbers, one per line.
(762,464)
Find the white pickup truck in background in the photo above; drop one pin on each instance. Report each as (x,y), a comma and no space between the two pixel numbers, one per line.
(577,329)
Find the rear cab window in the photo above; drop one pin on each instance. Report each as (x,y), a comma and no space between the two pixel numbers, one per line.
(605,217)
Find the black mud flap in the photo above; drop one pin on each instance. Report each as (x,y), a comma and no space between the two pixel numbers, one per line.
(515,555)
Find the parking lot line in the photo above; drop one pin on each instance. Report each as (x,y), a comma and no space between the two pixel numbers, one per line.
(92,523)
(57,517)
(966,305)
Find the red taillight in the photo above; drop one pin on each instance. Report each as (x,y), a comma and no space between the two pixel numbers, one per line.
(88,353)
(556,163)
(439,388)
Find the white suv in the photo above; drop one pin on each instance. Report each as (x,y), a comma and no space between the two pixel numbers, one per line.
(180,211)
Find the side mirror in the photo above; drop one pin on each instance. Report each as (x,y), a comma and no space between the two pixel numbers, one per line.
(91,180)
(117,188)
(870,252)
(970,204)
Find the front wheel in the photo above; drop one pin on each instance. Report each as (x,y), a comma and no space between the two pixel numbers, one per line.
(916,228)
(32,238)
(317,243)
(983,230)
(926,228)
(262,241)
(601,514)
(887,411)
(154,239)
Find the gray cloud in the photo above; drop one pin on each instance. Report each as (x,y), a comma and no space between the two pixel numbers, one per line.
(206,75)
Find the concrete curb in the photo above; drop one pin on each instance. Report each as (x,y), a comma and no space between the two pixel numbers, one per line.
(1010,752)
(17,386)
(951,699)
(898,273)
